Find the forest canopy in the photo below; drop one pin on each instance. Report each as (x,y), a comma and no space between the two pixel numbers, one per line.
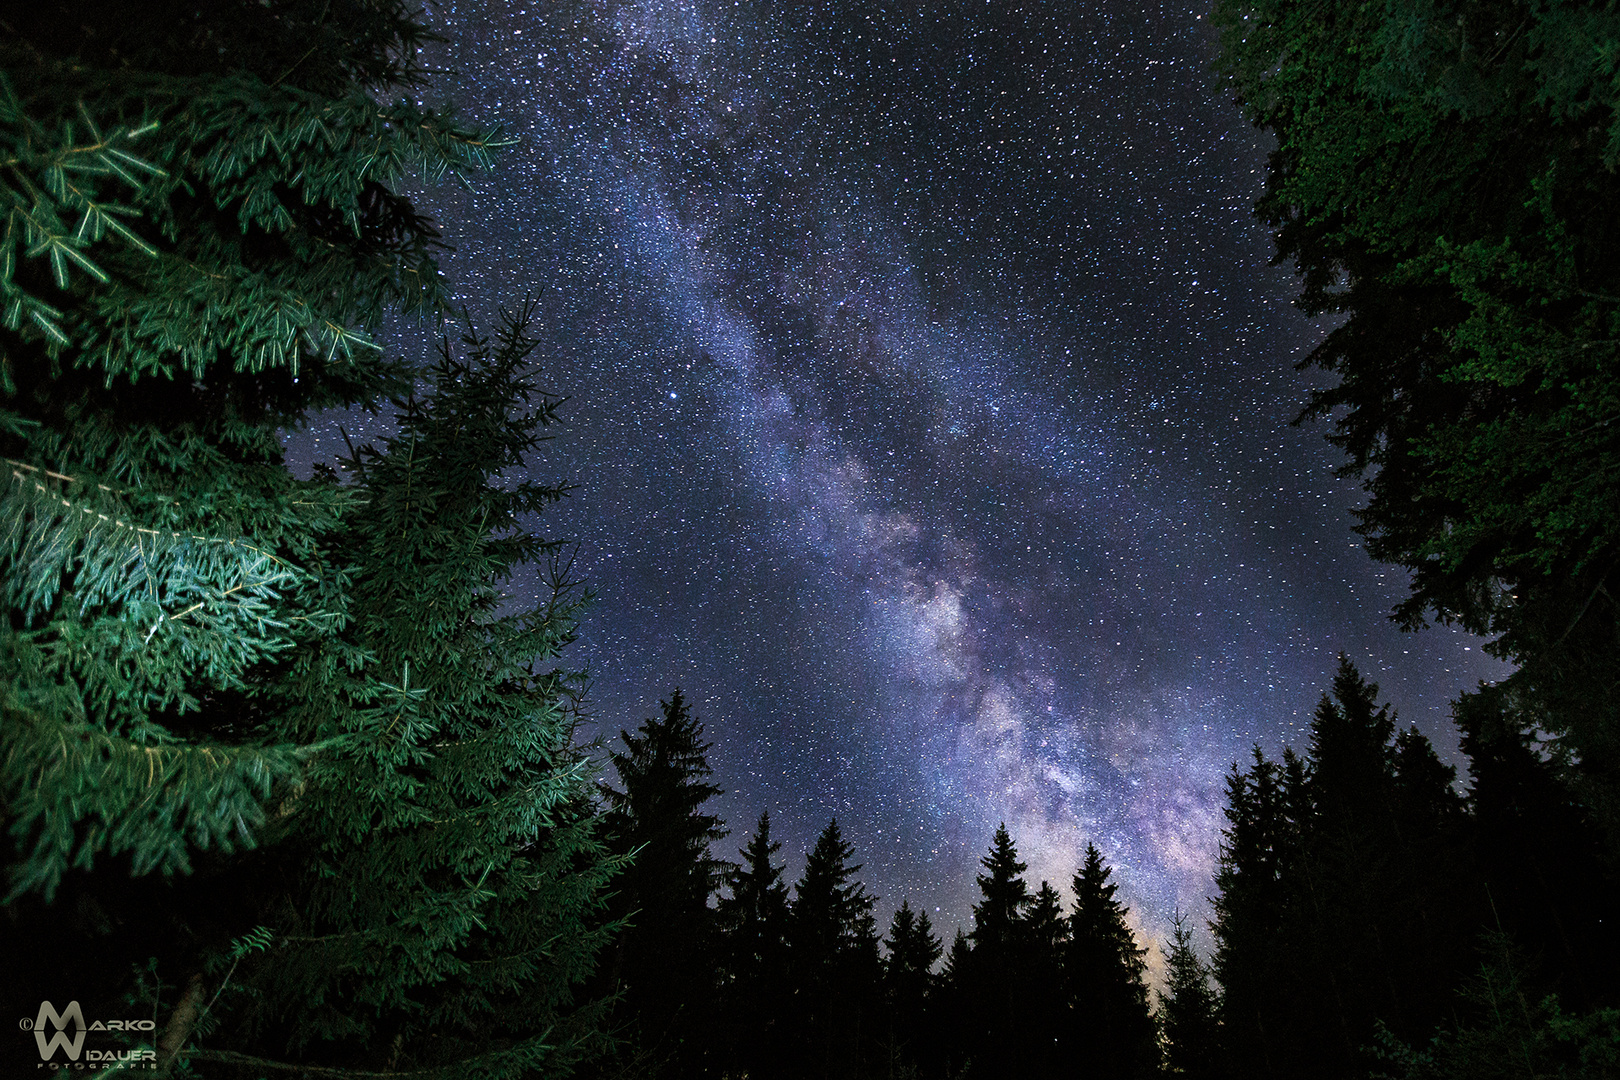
(292,765)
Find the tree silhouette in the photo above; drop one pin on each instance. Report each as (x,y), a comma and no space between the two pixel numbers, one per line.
(1105,969)
(1187,1010)
(753,922)
(836,970)
(665,957)
(908,983)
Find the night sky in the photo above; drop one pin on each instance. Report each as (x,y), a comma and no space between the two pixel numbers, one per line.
(930,400)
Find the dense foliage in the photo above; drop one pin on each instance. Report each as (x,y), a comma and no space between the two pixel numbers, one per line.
(1356,886)
(1445,181)
(283,770)
(200,230)
(442,880)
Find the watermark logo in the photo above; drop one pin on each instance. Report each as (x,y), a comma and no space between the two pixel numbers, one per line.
(67,1030)
(49,1015)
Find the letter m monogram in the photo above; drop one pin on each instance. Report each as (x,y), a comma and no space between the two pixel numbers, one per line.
(47,1049)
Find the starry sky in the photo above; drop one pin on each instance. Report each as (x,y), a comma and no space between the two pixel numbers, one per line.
(930,398)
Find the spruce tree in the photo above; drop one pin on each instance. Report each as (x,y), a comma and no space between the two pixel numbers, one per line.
(429,894)
(992,983)
(1375,931)
(448,882)
(1045,928)
(1187,1010)
(954,1006)
(1003,897)
(1253,879)
(908,984)
(1041,995)
(1352,775)
(201,230)
(1105,969)
(957,959)
(665,959)
(836,969)
(753,922)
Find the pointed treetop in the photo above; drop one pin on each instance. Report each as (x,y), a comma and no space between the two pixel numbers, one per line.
(1187,1006)
(664,773)
(1044,923)
(913,948)
(754,917)
(1352,757)
(828,904)
(959,959)
(1092,889)
(1005,892)
(664,770)
(758,903)
(757,854)
(1097,921)
(1350,722)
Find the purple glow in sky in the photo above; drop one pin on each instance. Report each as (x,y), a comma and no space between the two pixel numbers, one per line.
(930,400)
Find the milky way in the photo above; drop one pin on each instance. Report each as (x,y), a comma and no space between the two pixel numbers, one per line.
(930,392)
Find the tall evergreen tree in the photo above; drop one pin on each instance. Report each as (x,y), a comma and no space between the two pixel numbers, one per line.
(835,964)
(1105,969)
(954,1006)
(753,921)
(1187,1010)
(908,983)
(1351,753)
(1374,932)
(447,891)
(1003,896)
(1042,990)
(666,958)
(990,985)
(1253,877)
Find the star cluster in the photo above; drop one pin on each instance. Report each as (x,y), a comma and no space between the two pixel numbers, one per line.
(930,412)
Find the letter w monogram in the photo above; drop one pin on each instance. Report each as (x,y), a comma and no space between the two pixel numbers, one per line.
(73,1045)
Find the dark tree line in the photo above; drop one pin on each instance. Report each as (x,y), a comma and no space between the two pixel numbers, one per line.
(1370,918)
(1361,896)
(767,980)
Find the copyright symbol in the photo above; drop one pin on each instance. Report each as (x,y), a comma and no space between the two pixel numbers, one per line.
(26,1024)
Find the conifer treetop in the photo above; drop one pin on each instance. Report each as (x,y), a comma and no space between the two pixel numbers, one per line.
(1004,892)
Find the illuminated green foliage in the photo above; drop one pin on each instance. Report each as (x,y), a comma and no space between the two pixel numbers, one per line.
(200,230)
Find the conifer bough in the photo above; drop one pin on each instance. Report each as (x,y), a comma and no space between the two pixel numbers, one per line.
(200,231)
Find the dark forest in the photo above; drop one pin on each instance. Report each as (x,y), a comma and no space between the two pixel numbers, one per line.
(295,773)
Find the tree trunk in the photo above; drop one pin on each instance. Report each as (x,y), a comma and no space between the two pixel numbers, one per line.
(177,1032)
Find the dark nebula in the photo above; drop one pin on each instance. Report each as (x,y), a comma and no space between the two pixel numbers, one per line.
(930,418)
